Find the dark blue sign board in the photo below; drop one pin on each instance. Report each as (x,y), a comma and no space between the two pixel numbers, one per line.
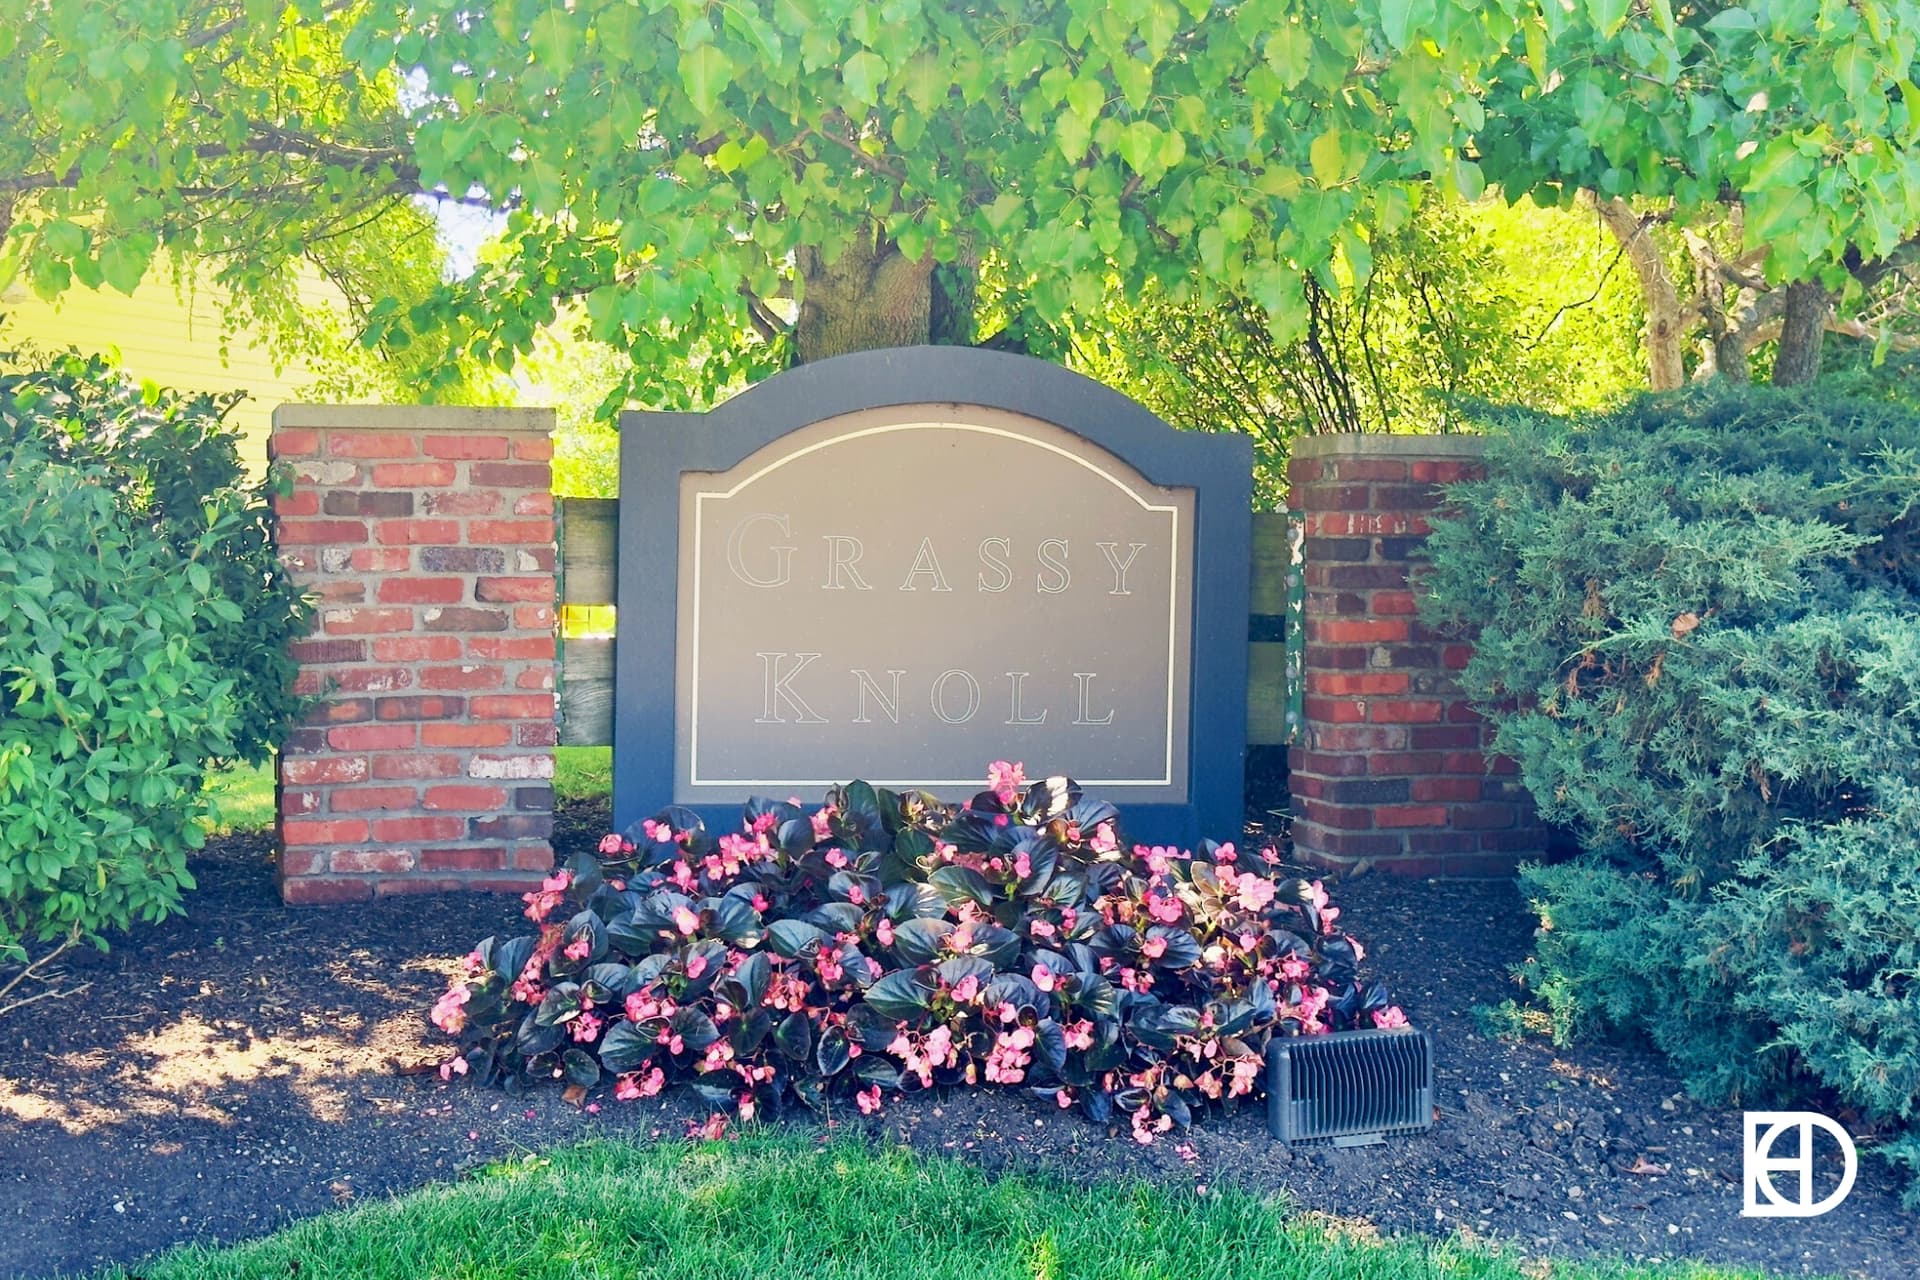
(903,564)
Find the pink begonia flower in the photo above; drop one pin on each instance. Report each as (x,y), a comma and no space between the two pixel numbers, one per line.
(1040,928)
(966,989)
(1043,977)
(580,948)
(1294,968)
(1389,1017)
(1359,952)
(696,965)
(686,920)
(586,1026)
(869,1100)
(449,1011)
(822,821)
(1104,841)
(1226,853)
(1153,948)
(658,831)
(836,858)
(453,1067)
(610,843)
(1317,894)
(1166,910)
(713,1130)
(1079,1035)
(884,932)
(1064,1098)
(1022,865)
(1005,780)
(1255,893)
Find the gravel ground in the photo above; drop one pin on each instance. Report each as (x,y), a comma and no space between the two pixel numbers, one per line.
(229,1071)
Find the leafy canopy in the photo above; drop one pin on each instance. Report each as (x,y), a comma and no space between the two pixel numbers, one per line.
(674,166)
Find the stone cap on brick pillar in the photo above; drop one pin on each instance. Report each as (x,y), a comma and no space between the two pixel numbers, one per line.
(438,418)
(1381,444)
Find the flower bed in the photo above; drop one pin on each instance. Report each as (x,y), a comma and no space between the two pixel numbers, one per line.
(887,942)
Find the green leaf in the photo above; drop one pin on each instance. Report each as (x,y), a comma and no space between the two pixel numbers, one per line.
(705,71)
(863,74)
(1608,15)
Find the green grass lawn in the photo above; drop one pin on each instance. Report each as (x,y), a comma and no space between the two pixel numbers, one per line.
(767,1208)
(244,795)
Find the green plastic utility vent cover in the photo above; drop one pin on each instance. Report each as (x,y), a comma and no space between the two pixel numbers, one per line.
(1351,1088)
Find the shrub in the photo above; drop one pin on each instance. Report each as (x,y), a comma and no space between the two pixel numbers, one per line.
(173,463)
(110,705)
(1698,630)
(887,942)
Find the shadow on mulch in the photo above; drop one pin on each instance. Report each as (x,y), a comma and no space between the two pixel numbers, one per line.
(236,1068)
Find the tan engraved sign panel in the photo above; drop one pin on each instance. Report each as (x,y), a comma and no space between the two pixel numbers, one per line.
(905,594)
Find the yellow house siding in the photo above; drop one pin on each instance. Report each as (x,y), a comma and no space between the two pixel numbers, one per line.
(171,336)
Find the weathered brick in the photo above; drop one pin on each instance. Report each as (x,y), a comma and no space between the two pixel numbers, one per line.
(1344,817)
(304,503)
(414,475)
(512,826)
(463,560)
(329,471)
(294,803)
(304,770)
(469,858)
(288,442)
(461,618)
(416,648)
(1357,630)
(355,799)
(302,862)
(1366,790)
(381,560)
(1408,711)
(533,450)
(437,827)
(466,735)
(321,652)
(373,737)
(533,856)
(360,502)
(533,799)
(371,861)
(339,590)
(417,532)
(401,886)
(416,764)
(514,766)
(365,621)
(512,706)
(1334,710)
(535,733)
(423,590)
(494,532)
(370,679)
(465,502)
(307,891)
(533,504)
(322,830)
(1452,788)
(511,648)
(446,446)
(464,797)
(372,444)
(514,589)
(1410,815)
(487,676)
(1341,682)
(510,475)
(533,617)
(417,707)
(1347,470)
(341,711)
(292,533)
(535,677)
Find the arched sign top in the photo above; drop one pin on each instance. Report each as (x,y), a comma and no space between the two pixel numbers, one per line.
(901,565)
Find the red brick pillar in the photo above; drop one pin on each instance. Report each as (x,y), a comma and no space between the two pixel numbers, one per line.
(1390,768)
(427,536)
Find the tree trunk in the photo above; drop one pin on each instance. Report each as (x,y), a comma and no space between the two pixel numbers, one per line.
(1803,329)
(1666,322)
(871,296)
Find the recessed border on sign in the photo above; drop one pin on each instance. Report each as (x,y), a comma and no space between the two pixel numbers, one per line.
(657,450)
(1174,597)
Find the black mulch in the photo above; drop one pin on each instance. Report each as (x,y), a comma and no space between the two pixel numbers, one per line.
(229,1071)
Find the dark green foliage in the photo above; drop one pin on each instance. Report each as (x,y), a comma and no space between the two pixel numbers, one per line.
(141,639)
(1699,634)
(888,943)
(172,461)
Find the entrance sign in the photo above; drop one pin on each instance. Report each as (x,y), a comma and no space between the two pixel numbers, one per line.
(900,565)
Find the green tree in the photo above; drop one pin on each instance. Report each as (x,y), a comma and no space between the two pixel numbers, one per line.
(725,189)
(1768,143)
